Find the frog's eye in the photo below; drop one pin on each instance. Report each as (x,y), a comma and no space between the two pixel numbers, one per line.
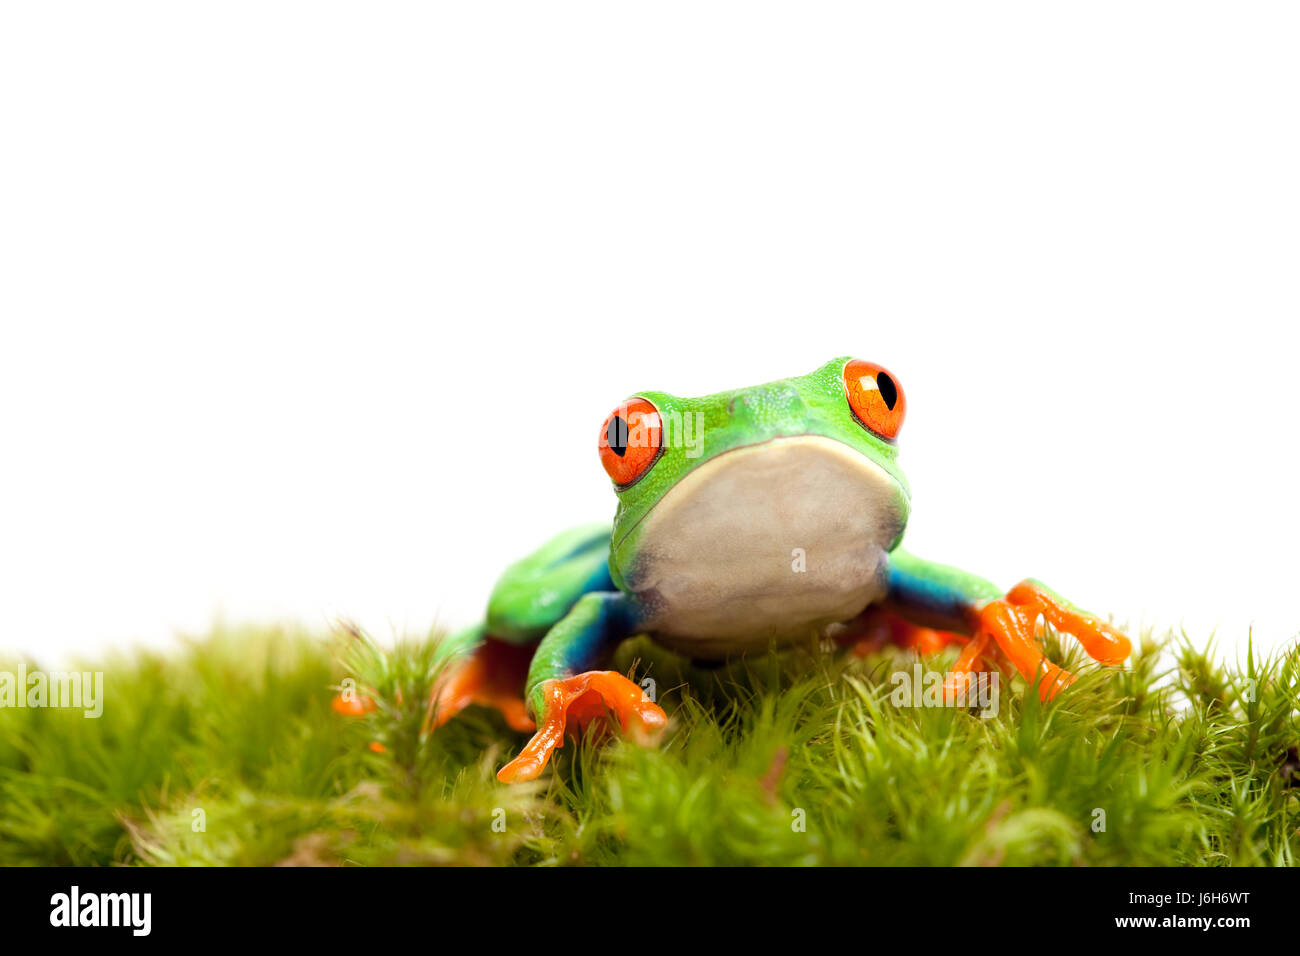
(630,441)
(875,397)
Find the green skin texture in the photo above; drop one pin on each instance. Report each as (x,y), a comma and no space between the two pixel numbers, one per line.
(569,598)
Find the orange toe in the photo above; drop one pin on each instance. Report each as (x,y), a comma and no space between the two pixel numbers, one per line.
(571,704)
(1013,627)
(1012,622)
(1103,643)
(352,704)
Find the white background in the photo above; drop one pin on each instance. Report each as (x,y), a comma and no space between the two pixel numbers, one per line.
(315,309)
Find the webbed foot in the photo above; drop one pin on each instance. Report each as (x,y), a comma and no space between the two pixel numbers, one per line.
(1011,623)
(582,698)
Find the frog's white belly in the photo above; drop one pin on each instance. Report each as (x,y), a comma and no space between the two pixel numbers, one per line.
(767,543)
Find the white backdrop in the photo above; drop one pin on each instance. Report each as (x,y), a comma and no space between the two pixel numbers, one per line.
(315,308)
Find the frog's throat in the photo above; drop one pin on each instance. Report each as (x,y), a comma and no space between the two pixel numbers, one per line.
(878,475)
(773,540)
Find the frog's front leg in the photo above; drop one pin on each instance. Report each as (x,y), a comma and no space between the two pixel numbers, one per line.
(939,596)
(531,597)
(563,684)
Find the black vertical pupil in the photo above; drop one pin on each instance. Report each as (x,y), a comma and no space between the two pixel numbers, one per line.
(888,390)
(617,435)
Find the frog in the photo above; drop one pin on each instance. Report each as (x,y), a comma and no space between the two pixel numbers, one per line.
(747,520)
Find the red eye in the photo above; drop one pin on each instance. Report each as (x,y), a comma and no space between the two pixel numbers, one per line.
(631,440)
(875,397)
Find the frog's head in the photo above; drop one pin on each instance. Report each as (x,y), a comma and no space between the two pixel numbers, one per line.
(743,478)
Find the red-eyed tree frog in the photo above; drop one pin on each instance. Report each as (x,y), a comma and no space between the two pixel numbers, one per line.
(747,519)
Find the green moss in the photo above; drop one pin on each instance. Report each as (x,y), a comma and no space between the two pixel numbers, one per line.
(227,752)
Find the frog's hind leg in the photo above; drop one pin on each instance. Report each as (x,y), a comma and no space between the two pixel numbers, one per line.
(1004,627)
(491,674)
(530,598)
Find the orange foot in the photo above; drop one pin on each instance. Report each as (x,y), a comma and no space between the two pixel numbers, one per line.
(584,697)
(1011,622)
(493,676)
(352,704)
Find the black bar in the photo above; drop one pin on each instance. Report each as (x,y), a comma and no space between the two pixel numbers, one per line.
(374,907)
